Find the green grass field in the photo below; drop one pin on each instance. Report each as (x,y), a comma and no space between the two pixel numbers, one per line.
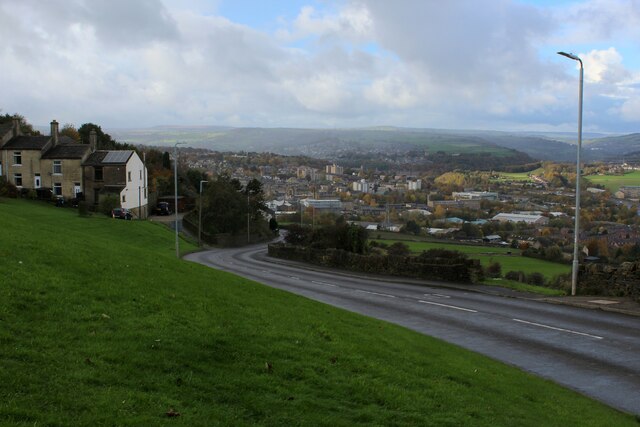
(101,325)
(509,259)
(614,182)
(519,176)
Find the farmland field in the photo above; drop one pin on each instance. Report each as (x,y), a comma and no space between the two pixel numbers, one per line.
(509,259)
(614,182)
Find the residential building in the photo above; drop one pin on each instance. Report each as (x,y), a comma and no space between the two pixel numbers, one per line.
(415,185)
(49,165)
(121,173)
(334,169)
(58,166)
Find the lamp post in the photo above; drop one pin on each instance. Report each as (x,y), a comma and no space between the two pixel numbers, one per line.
(175,183)
(200,215)
(576,231)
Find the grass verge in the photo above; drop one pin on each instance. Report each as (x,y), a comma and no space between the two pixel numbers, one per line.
(100,324)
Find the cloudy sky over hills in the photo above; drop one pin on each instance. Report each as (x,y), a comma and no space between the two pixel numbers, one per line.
(474,64)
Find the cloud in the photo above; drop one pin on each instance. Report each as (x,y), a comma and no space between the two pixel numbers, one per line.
(412,63)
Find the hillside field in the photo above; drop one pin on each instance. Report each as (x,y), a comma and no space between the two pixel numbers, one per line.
(614,182)
(101,325)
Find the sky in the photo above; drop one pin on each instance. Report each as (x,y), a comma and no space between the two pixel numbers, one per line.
(456,64)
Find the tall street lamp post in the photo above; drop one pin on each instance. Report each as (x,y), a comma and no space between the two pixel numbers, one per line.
(200,215)
(175,183)
(576,231)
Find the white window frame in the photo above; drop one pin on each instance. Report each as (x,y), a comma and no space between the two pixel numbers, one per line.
(17,158)
(16,177)
(57,185)
(57,163)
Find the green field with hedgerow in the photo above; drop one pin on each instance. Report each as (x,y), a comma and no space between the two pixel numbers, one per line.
(508,258)
(614,182)
(101,325)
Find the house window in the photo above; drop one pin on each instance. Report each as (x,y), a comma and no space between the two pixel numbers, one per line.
(0,168)
(124,199)
(17,157)
(97,173)
(129,176)
(57,167)
(17,178)
(57,189)
(140,174)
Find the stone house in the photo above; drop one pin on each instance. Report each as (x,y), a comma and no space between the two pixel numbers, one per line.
(49,165)
(55,166)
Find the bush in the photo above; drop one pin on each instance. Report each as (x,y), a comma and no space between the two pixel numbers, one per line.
(494,269)
(535,279)
(398,249)
(7,189)
(83,209)
(518,276)
(109,203)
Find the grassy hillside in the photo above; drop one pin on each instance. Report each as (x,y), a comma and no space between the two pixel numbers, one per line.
(614,182)
(101,325)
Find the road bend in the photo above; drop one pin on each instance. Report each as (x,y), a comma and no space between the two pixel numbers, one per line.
(591,351)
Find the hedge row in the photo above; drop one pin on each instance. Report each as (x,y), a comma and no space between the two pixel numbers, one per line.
(436,265)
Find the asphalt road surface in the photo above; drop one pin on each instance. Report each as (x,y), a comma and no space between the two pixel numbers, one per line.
(594,352)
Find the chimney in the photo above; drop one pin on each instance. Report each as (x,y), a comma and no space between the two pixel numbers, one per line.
(16,126)
(54,132)
(93,140)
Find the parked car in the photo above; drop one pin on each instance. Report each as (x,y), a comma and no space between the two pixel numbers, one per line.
(121,213)
(162,209)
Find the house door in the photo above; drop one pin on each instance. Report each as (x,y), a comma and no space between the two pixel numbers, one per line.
(76,189)
(37,182)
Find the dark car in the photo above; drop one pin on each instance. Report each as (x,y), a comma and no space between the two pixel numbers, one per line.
(121,213)
(162,209)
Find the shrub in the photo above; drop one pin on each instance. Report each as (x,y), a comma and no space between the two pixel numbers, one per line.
(494,269)
(518,276)
(535,279)
(398,249)
(109,203)
(7,189)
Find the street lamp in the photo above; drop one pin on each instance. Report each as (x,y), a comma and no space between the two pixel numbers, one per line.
(175,183)
(576,231)
(200,214)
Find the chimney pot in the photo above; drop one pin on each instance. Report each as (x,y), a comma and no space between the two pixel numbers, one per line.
(93,140)
(54,132)
(16,126)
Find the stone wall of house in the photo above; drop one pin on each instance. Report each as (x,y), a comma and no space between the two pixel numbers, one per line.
(602,279)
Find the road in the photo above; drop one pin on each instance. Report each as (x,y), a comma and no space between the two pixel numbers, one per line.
(594,352)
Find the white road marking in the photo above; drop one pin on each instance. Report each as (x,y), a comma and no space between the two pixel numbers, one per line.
(437,295)
(558,329)
(294,277)
(448,306)
(265,271)
(376,293)
(323,283)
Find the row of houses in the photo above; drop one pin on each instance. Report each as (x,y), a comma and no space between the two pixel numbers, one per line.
(57,166)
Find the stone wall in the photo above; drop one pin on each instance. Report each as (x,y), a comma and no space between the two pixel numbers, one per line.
(603,279)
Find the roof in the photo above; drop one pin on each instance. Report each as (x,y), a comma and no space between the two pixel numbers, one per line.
(67,149)
(27,142)
(107,158)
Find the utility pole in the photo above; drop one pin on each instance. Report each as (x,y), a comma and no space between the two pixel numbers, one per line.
(248,231)
(175,183)
(200,215)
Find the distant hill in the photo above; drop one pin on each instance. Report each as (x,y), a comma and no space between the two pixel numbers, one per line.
(331,143)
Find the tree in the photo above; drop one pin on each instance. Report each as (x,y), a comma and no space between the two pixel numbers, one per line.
(412,227)
(166,160)
(70,131)
(398,249)
(25,127)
